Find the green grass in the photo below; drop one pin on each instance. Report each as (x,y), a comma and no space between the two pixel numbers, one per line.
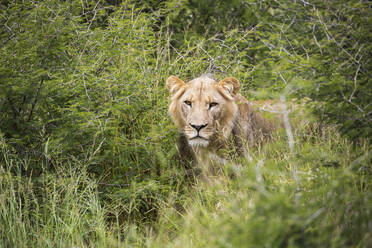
(87,150)
(262,206)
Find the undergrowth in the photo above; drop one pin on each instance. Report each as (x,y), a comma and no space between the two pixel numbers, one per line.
(264,205)
(87,150)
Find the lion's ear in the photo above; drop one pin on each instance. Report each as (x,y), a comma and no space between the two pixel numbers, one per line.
(230,84)
(174,84)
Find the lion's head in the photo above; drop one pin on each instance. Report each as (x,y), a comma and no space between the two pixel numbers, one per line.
(203,109)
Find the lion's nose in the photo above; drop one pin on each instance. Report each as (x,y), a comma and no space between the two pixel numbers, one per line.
(198,127)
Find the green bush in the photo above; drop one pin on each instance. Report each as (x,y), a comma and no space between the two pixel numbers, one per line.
(88,154)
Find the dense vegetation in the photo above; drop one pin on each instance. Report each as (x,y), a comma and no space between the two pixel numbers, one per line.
(87,150)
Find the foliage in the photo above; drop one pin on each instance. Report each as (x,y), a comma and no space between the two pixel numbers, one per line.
(87,149)
(267,207)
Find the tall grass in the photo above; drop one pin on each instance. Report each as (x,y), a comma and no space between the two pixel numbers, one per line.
(259,209)
(255,208)
(57,210)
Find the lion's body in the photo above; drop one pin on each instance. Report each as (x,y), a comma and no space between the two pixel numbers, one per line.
(210,115)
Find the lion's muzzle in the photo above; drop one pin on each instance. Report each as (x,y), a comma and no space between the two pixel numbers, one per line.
(197,135)
(198,127)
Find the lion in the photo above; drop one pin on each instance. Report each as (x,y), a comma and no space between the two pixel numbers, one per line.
(210,115)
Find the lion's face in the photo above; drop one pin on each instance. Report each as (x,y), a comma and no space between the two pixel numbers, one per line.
(202,108)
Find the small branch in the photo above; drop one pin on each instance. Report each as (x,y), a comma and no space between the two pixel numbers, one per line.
(352,103)
(355,105)
(288,130)
(259,178)
(258,171)
(305,3)
(316,40)
(287,125)
(35,100)
(94,16)
(355,83)
(180,55)
(6,41)
(330,37)
(87,94)
(114,185)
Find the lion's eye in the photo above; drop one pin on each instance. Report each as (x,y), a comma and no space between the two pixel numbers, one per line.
(212,104)
(188,103)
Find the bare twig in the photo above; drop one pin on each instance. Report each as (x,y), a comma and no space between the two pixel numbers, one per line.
(316,40)
(287,125)
(86,93)
(288,129)
(355,83)
(331,38)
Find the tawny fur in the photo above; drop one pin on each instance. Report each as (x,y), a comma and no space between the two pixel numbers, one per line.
(223,113)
